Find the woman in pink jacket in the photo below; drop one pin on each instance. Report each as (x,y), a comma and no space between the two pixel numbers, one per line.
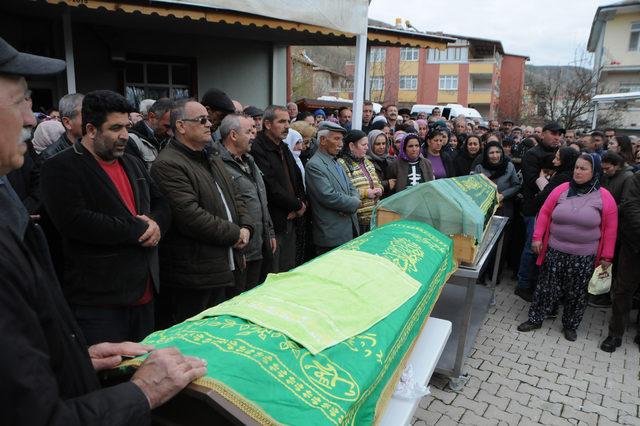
(574,232)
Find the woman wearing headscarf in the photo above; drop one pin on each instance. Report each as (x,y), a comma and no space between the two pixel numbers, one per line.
(46,134)
(468,153)
(362,173)
(440,160)
(410,168)
(564,162)
(378,154)
(575,231)
(295,142)
(496,166)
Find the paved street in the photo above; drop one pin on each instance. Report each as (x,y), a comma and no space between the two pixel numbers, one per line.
(539,377)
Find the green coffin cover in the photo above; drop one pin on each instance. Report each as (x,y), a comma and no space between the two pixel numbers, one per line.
(277,381)
(462,205)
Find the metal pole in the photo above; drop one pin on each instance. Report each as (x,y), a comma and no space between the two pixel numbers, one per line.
(595,116)
(359,78)
(68,52)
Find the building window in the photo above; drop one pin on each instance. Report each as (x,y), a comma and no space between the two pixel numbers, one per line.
(377,83)
(378,54)
(448,82)
(629,87)
(634,41)
(409,53)
(408,82)
(155,80)
(451,54)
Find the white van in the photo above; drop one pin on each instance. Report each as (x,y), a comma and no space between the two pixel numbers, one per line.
(418,108)
(448,110)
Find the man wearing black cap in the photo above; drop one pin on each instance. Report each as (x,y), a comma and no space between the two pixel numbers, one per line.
(334,200)
(48,373)
(218,105)
(534,160)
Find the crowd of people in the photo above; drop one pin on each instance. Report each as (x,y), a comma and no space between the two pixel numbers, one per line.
(152,214)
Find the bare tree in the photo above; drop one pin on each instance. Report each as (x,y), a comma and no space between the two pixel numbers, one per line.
(564,94)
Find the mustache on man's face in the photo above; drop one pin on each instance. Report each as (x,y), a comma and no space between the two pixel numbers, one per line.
(25,135)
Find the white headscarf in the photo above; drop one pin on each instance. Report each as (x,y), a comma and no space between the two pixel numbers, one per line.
(293,137)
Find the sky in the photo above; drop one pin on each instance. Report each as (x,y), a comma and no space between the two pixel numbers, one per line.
(550,32)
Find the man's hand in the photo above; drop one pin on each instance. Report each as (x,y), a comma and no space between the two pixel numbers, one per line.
(392,184)
(165,373)
(303,209)
(243,239)
(151,236)
(108,355)
(274,245)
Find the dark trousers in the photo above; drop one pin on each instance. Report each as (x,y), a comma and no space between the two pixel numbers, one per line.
(115,324)
(322,250)
(187,302)
(562,277)
(528,271)
(624,288)
(284,258)
(252,274)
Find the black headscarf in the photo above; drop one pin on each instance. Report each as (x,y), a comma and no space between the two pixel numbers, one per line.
(498,169)
(568,157)
(576,189)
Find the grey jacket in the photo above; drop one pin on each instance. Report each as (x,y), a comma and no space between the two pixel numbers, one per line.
(250,188)
(334,201)
(508,185)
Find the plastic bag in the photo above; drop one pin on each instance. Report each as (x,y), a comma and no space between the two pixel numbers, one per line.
(408,388)
(600,281)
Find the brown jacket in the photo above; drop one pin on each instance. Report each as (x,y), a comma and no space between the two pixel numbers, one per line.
(195,252)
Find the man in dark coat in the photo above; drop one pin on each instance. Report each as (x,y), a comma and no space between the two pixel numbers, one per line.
(537,158)
(111,217)
(48,374)
(283,180)
(210,224)
(627,267)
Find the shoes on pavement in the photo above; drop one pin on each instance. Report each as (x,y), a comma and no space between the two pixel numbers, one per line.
(528,326)
(611,343)
(570,335)
(525,294)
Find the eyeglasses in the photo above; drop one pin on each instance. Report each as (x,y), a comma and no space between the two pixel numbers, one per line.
(202,120)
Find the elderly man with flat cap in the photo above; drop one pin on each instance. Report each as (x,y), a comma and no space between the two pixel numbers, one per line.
(48,373)
(333,198)
(256,114)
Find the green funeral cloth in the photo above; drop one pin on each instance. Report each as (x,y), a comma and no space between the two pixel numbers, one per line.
(461,205)
(277,381)
(341,307)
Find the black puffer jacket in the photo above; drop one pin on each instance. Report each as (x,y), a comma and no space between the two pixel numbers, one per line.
(537,158)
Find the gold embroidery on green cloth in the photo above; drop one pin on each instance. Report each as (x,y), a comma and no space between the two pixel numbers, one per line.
(404,253)
(415,316)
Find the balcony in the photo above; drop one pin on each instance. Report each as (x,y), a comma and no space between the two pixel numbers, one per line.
(481,66)
(479,96)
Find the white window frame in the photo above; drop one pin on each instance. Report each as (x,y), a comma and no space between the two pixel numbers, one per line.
(408,82)
(133,88)
(634,37)
(376,83)
(409,54)
(448,82)
(378,54)
(454,54)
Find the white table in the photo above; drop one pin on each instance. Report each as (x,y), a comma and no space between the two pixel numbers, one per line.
(424,357)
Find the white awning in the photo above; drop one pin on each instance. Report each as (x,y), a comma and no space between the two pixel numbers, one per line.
(616,97)
(343,15)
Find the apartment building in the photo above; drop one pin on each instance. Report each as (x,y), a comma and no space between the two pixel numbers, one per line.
(471,71)
(615,42)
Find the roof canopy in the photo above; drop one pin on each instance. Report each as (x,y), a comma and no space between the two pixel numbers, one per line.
(617,97)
